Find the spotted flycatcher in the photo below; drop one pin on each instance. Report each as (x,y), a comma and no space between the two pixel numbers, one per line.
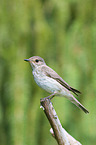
(49,80)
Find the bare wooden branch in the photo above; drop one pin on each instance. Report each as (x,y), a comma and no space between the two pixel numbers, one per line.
(57,131)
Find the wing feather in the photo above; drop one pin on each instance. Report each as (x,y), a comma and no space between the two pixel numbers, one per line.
(52,74)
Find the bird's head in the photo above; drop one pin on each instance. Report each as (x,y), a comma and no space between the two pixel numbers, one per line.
(35,61)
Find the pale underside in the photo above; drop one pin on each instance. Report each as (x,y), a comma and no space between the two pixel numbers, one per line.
(50,81)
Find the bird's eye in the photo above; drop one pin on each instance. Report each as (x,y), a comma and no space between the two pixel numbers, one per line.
(36,60)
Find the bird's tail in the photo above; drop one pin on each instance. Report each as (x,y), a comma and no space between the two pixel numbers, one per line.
(78,104)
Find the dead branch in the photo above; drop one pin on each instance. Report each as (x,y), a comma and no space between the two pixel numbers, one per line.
(57,131)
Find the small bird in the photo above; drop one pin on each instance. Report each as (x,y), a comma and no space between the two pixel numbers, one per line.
(49,80)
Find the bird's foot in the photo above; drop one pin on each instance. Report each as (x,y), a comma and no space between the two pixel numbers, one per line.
(48,97)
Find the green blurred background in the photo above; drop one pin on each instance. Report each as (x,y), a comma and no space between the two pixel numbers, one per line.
(64,34)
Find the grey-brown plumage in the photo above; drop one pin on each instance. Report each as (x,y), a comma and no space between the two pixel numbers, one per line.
(55,76)
(50,81)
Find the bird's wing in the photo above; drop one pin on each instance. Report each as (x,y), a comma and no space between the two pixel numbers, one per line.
(52,74)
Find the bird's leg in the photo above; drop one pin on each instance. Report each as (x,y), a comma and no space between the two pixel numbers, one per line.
(49,97)
(52,97)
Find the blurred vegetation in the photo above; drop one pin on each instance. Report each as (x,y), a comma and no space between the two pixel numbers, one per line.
(64,34)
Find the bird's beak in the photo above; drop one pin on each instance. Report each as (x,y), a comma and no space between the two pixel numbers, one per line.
(26,60)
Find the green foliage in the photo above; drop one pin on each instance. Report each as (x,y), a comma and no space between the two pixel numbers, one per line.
(64,34)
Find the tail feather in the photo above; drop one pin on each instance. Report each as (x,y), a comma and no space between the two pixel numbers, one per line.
(78,104)
(83,108)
